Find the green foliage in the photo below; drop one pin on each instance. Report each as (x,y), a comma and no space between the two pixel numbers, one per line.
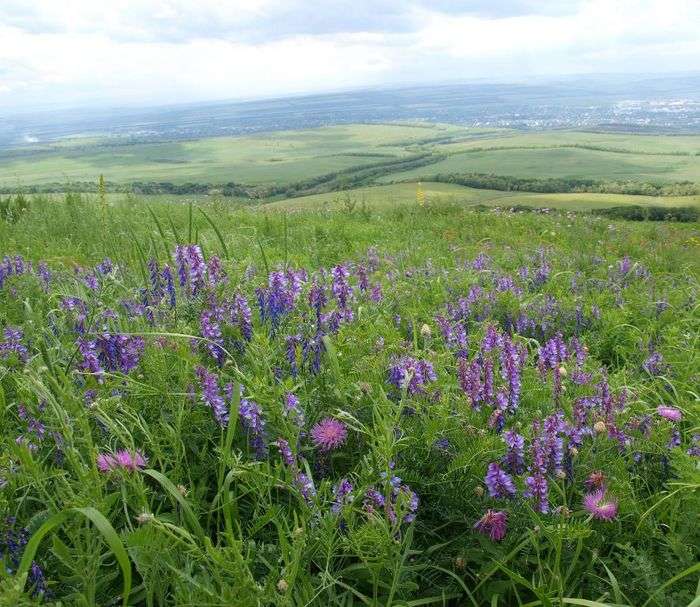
(205,523)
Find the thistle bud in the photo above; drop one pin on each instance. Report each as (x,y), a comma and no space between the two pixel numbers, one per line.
(144,518)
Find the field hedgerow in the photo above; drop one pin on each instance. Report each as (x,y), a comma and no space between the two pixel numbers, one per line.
(429,405)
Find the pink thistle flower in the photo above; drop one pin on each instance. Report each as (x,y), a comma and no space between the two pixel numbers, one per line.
(670,413)
(597,505)
(127,460)
(493,524)
(329,434)
(105,462)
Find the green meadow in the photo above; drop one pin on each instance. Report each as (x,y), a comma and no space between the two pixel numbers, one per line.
(348,156)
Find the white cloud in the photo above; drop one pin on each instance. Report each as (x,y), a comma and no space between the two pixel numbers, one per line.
(129,51)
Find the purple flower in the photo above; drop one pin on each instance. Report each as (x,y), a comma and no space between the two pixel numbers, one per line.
(306,486)
(169,285)
(498,482)
(654,364)
(191,268)
(285,452)
(514,459)
(411,374)
(155,276)
(670,413)
(376,294)
(291,343)
(211,396)
(252,421)
(13,344)
(538,489)
(292,409)
(342,494)
(598,506)
(340,287)
(241,316)
(329,434)
(211,331)
(481,262)
(130,461)
(373,500)
(493,524)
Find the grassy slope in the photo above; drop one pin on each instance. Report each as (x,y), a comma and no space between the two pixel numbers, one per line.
(424,254)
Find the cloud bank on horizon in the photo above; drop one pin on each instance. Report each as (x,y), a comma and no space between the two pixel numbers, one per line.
(81,52)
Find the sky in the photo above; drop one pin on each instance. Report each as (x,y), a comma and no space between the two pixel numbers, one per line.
(147,52)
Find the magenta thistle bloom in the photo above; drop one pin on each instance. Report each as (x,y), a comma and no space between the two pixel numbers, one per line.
(493,524)
(499,483)
(329,434)
(599,507)
(124,459)
(670,413)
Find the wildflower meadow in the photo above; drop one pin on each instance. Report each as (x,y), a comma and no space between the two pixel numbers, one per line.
(413,405)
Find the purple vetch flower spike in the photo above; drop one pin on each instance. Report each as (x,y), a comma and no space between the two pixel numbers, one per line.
(286,452)
(215,271)
(514,459)
(342,495)
(511,368)
(373,500)
(481,262)
(498,482)
(293,409)
(412,374)
(376,295)
(675,440)
(211,396)
(362,279)
(43,273)
(538,488)
(292,342)
(493,524)
(252,421)
(598,506)
(155,277)
(306,487)
(340,287)
(329,434)
(169,285)
(12,344)
(105,267)
(492,339)
(211,331)
(654,364)
(241,316)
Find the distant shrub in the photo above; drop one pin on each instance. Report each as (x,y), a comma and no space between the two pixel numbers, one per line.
(652,213)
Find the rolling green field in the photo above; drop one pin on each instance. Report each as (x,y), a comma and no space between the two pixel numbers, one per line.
(293,156)
(281,157)
(377,165)
(558,162)
(383,196)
